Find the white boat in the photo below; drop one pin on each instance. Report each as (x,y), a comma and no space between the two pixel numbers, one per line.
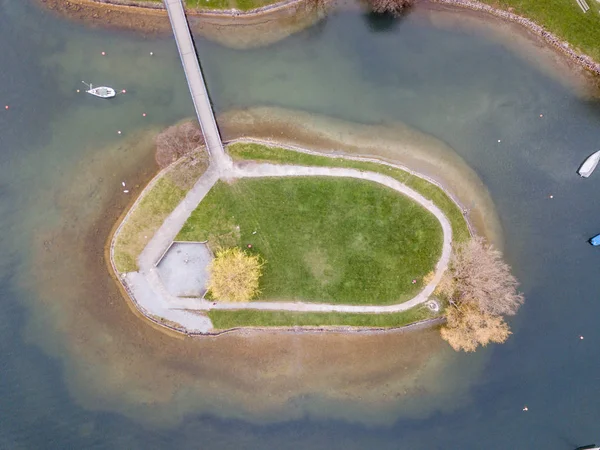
(101,91)
(589,164)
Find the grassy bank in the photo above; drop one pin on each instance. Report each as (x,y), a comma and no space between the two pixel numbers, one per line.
(153,209)
(242,5)
(257,152)
(324,239)
(223,320)
(564,18)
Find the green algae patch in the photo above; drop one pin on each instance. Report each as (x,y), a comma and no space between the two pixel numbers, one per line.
(263,153)
(227,319)
(323,239)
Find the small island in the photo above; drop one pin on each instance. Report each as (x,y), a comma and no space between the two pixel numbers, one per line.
(342,243)
(344,236)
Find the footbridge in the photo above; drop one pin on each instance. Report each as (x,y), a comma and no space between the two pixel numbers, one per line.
(193,73)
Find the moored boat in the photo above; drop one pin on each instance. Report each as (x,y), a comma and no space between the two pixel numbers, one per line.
(595,241)
(588,447)
(589,164)
(101,91)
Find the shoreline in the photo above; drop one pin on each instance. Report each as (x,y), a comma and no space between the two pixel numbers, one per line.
(435,158)
(231,28)
(194,11)
(549,38)
(253,34)
(171,327)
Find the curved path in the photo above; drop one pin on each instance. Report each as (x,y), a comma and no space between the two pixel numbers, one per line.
(154,300)
(145,287)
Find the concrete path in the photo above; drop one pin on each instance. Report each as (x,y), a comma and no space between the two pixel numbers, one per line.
(151,294)
(273,170)
(195,80)
(160,242)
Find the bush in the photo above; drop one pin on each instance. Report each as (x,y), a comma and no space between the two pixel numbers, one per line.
(393,7)
(468,327)
(480,289)
(234,275)
(480,276)
(177,141)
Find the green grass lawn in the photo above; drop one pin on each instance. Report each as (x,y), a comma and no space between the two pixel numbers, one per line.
(243,5)
(257,152)
(323,239)
(223,320)
(563,18)
(154,208)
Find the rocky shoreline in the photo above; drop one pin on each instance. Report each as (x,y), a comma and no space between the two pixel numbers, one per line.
(581,59)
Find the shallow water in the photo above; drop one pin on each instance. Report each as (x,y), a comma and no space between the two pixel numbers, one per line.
(81,370)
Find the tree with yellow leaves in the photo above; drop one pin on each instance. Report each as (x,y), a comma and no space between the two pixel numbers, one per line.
(467,327)
(234,275)
(481,290)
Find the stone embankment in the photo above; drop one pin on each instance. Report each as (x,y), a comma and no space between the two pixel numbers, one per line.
(583,60)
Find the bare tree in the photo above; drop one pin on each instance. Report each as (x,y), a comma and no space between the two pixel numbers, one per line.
(468,327)
(483,278)
(393,7)
(177,141)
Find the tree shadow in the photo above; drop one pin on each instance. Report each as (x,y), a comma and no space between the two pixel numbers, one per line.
(381,22)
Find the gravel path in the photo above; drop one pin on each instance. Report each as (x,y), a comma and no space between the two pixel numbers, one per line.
(152,296)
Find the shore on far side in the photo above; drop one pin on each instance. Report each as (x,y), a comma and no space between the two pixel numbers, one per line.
(274,22)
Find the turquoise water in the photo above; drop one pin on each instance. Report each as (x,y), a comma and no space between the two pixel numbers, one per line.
(61,165)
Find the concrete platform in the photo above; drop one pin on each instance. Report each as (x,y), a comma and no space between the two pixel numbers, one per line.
(184,269)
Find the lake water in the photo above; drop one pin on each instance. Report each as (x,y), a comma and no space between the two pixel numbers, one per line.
(81,371)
